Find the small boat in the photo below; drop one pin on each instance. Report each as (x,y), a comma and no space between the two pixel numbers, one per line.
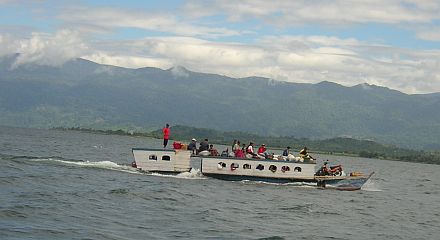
(276,171)
(164,161)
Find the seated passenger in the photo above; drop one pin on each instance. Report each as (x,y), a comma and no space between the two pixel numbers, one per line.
(250,151)
(212,150)
(304,154)
(192,146)
(239,153)
(235,148)
(262,151)
(286,152)
(204,146)
(225,153)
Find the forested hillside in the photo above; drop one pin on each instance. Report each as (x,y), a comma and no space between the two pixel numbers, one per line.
(81,93)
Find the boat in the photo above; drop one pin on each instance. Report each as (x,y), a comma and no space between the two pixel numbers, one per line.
(175,161)
(165,161)
(279,171)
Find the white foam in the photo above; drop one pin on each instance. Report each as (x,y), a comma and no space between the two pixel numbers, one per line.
(193,174)
(296,184)
(371,186)
(99,164)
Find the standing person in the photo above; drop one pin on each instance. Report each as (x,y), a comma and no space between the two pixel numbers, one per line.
(166,135)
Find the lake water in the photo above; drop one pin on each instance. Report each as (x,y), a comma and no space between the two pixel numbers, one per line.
(72,185)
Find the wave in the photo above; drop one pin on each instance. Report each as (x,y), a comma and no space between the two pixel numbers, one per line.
(296,184)
(99,164)
(371,186)
(193,174)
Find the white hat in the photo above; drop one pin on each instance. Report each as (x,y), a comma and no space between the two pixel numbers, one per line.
(194,140)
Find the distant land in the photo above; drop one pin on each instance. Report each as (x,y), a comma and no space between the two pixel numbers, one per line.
(334,146)
(85,94)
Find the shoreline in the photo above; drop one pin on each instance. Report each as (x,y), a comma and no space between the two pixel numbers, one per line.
(407,155)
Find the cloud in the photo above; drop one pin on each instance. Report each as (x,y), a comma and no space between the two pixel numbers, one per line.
(110,18)
(128,61)
(432,34)
(287,13)
(9,45)
(193,38)
(45,49)
(290,58)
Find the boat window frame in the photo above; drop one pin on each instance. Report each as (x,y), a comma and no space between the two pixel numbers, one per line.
(247,166)
(260,167)
(234,166)
(166,158)
(285,169)
(221,164)
(297,169)
(152,157)
(273,168)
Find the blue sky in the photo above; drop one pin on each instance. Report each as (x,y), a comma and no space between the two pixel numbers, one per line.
(393,43)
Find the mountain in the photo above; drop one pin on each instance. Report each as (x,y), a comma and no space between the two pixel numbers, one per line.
(87,94)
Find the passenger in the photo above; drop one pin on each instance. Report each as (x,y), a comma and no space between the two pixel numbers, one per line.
(324,171)
(225,153)
(203,148)
(270,156)
(192,146)
(236,147)
(212,150)
(166,135)
(204,145)
(239,153)
(286,151)
(304,154)
(250,151)
(262,151)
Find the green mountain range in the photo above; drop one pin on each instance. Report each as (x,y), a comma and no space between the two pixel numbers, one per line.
(81,93)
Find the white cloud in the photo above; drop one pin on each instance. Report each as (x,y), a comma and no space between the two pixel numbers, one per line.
(128,61)
(351,63)
(194,44)
(110,18)
(432,34)
(47,49)
(288,13)
(8,45)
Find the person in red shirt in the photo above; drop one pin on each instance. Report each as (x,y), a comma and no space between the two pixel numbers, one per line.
(262,150)
(166,135)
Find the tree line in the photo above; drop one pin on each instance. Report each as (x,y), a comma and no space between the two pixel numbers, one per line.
(337,146)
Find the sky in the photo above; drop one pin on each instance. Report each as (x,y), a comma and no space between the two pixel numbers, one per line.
(392,43)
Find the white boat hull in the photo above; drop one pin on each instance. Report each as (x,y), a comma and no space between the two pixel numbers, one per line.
(162,160)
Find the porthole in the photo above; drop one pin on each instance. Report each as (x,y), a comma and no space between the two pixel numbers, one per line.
(260,167)
(152,157)
(234,166)
(273,168)
(166,158)
(221,165)
(297,169)
(247,166)
(285,168)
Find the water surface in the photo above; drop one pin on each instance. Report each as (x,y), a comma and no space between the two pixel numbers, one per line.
(72,185)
